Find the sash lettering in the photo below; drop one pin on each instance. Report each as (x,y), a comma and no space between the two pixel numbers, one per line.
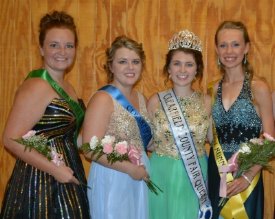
(185,144)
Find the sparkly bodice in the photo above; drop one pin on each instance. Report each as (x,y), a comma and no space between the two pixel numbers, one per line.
(240,123)
(32,193)
(124,126)
(197,118)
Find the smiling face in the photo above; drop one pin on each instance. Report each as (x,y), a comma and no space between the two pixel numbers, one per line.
(182,68)
(58,50)
(231,48)
(126,67)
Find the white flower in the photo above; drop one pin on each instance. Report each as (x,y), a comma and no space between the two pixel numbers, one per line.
(108,140)
(93,142)
(245,149)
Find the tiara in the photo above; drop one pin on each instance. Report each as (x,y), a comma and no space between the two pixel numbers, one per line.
(185,39)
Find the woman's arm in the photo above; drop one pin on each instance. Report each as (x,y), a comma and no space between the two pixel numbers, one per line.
(151,106)
(263,101)
(208,108)
(29,105)
(273,103)
(96,122)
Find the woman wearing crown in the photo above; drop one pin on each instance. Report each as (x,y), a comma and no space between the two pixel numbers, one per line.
(242,110)
(180,119)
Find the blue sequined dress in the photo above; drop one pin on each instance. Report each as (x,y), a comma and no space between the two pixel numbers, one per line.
(238,124)
(32,193)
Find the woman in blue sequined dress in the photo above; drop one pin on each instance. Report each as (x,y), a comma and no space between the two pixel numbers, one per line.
(242,110)
(48,104)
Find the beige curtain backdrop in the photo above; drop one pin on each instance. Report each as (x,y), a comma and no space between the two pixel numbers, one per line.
(151,22)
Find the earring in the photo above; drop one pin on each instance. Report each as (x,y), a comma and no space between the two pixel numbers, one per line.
(245,58)
(170,76)
(218,62)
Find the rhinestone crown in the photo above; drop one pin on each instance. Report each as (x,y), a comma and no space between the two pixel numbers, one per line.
(185,39)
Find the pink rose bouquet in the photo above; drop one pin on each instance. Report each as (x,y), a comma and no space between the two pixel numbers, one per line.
(117,151)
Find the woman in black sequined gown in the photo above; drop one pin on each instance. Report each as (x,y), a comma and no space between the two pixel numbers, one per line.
(48,104)
(242,110)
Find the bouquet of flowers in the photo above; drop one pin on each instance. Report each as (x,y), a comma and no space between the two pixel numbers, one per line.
(257,151)
(117,151)
(39,143)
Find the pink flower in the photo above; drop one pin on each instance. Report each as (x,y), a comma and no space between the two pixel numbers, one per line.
(29,134)
(57,158)
(268,137)
(257,141)
(107,148)
(134,155)
(232,166)
(121,147)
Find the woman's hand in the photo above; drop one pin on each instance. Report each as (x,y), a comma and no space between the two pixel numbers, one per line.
(138,172)
(236,186)
(64,174)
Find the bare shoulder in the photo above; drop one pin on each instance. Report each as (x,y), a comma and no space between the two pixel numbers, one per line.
(100,100)
(30,102)
(35,89)
(207,102)
(153,103)
(259,87)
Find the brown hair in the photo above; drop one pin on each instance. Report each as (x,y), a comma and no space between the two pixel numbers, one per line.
(56,19)
(197,56)
(236,25)
(122,42)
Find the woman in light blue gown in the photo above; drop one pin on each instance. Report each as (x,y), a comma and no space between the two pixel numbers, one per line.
(118,190)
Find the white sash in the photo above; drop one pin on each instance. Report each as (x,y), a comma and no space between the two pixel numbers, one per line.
(185,144)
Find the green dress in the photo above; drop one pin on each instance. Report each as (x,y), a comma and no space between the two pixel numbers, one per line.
(178,200)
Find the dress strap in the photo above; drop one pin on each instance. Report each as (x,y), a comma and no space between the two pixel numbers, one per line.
(144,128)
(75,107)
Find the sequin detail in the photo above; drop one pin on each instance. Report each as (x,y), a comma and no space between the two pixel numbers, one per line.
(32,193)
(198,122)
(240,123)
(122,123)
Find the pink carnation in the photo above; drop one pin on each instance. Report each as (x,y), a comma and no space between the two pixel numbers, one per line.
(57,158)
(121,147)
(269,137)
(107,148)
(29,134)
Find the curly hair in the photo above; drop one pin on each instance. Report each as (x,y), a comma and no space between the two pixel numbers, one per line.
(56,19)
